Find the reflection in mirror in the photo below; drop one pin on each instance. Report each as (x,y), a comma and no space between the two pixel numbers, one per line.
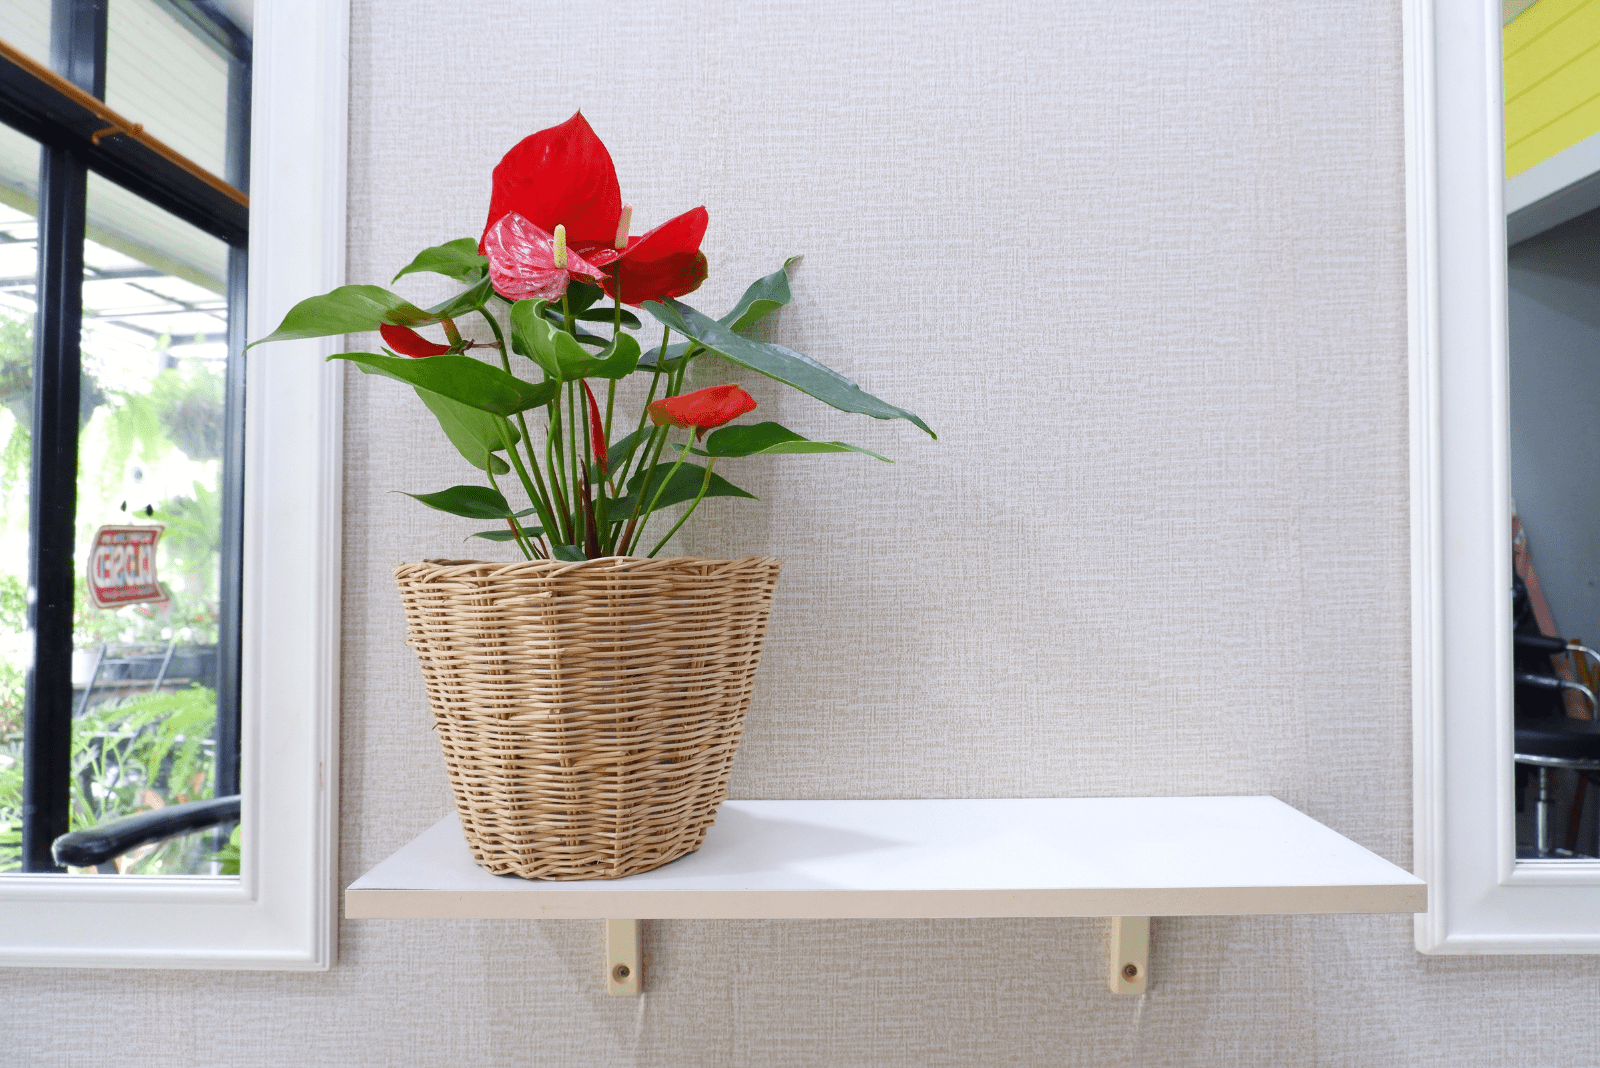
(119,692)
(1552,120)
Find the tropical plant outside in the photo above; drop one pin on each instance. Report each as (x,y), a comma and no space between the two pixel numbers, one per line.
(149,452)
(129,756)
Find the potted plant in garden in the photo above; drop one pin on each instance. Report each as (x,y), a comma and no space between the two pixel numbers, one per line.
(588,698)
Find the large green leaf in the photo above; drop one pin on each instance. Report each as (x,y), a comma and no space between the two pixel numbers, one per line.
(769,439)
(618,361)
(651,361)
(460,378)
(477,434)
(765,296)
(464,302)
(456,259)
(560,355)
(618,452)
(776,361)
(473,502)
(357,309)
(605,314)
(609,317)
(581,296)
(546,344)
(683,487)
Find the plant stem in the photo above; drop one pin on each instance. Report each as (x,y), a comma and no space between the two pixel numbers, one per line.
(557,464)
(684,455)
(522,422)
(617,480)
(705,484)
(575,462)
(516,530)
(522,473)
(616,332)
(644,486)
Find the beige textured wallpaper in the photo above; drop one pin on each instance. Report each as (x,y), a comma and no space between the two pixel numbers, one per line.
(1142,266)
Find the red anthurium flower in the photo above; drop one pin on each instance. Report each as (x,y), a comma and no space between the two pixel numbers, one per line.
(597,430)
(666,262)
(564,176)
(560,176)
(410,343)
(522,261)
(702,410)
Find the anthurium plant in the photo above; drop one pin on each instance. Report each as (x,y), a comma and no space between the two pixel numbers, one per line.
(556,244)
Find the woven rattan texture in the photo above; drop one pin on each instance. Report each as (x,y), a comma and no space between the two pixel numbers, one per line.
(588,712)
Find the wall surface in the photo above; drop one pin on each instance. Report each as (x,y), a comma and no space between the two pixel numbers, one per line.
(1142,265)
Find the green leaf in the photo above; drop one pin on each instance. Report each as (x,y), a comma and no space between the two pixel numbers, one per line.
(547,345)
(581,296)
(473,502)
(504,534)
(608,315)
(769,439)
(357,309)
(456,259)
(460,378)
(600,315)
(347,310)
(476,434)
(567,552)
(618,361)
(618,453)
(765,296)
(559,353)
(683,487)
(462,303)
(651,361)
(776,361)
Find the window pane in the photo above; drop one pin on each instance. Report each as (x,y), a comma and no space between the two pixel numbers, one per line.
(25,26)
(150,454)
(167,78)
(19,172)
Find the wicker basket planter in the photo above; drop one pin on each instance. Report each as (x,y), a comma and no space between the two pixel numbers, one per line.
(588,712)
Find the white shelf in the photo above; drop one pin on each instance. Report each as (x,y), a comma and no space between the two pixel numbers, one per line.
(1148,856)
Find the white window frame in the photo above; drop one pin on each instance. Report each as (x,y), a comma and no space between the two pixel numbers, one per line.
(1482,899)
(282,912)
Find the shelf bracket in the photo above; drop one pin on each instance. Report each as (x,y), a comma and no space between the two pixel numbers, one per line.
(623,974)
(1128,954)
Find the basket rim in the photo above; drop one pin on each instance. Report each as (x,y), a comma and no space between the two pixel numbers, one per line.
(633,565)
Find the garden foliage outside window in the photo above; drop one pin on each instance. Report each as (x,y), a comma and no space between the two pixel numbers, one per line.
(158,418)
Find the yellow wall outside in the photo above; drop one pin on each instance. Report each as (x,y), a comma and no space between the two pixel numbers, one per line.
(1552,79)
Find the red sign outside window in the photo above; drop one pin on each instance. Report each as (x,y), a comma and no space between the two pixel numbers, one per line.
(122,567)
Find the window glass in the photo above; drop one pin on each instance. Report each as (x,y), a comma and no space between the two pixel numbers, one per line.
(171,80)
(25,26)
(154,355)
(19,170)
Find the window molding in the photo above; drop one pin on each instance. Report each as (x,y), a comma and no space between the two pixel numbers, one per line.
(1481,898)
(282,912)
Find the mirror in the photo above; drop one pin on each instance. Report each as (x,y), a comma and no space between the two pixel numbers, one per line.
(1551,59)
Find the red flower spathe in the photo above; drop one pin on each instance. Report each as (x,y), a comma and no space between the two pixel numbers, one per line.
(597,429)
(522,261)
(666,262)
(564,176)
(560,176)
(410,343)
(702,410)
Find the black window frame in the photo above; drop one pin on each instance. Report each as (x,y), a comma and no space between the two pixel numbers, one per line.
(74,139)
